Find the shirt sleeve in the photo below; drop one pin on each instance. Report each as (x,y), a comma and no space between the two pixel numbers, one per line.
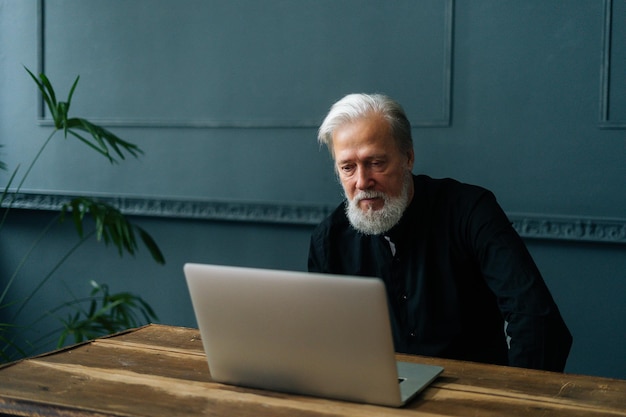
(315,261)
(538,337)
(319,257)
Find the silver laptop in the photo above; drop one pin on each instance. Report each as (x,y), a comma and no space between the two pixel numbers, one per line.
(313,334)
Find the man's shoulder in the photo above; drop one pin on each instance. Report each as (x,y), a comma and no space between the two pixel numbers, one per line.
(334,225)
(336,218)
(446,187)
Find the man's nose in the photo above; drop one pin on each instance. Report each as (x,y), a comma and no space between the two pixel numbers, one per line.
(364,180)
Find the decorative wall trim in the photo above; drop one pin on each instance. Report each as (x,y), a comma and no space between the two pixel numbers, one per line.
(530,226)
(607,121)
(297,214)
(584,229)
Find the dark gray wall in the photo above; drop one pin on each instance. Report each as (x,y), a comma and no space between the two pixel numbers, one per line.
(509,95)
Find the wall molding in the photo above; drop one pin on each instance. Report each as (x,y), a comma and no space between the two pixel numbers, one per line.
(607,85)
(217,210)
(529,226)
(568,228)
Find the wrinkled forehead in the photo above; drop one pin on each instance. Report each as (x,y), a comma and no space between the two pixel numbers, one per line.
(370,133)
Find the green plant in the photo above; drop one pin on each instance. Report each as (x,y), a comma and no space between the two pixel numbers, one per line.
(111,227)
(107,313)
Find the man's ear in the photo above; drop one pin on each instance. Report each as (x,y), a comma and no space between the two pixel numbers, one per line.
(411,159)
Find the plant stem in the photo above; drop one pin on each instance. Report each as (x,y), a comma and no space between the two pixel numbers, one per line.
(19,186)
(25,258)
(49,275)
(30,167)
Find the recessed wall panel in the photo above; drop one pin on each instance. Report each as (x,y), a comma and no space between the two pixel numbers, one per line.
(247,63)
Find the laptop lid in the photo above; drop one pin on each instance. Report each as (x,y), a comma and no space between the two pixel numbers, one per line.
(313,334)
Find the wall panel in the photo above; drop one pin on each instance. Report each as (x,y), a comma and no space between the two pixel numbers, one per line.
(218,63)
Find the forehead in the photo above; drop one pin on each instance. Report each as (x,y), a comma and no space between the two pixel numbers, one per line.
(363,137)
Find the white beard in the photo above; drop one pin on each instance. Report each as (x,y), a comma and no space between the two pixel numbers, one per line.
(375,222)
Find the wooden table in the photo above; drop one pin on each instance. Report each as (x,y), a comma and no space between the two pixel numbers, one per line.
(161,371)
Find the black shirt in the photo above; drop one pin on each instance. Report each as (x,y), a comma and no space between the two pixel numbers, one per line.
(456,275)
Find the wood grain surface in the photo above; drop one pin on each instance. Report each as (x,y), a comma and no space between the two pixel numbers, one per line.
(161,370)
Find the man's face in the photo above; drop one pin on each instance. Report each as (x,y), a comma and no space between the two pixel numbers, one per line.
(370,167)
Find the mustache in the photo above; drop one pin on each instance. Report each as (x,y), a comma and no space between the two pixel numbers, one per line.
(363,194)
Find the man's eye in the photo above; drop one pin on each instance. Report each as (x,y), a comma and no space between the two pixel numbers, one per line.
(347,168)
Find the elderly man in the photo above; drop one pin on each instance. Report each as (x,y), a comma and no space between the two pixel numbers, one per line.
(460,281)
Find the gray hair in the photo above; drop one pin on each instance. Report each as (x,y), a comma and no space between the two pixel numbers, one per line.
(356,106)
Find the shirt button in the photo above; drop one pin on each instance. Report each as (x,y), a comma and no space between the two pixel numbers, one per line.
(404,297)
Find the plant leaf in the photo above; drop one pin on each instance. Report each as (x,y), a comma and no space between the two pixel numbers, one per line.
(48,86)
(69,96)
(111,227)
(49,99)
(156,253)
(103,140)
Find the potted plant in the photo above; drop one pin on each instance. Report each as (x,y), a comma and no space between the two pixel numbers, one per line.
(100,312)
